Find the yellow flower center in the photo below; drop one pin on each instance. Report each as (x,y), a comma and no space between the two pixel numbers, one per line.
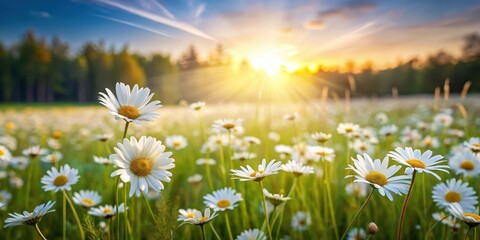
(177,144)
(224,203)
(377,178)
(348,129)
(141,166)
(53,158)
(254,173)
(467,165)
(60,180)
(190,215)
(475,147)
(428,142)
(10,125)
(2,153)
(203,219)
(416,163)
(228,125)
(57,134)
(452,197)
(87,201)
(363,148)
(129,111)
(473,215)
(107,210)
(302,222)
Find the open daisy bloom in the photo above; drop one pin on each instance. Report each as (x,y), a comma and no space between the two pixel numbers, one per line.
(226,125)
(275,199)
(143,163)
(199,219)
(465,163)
(29,218)
(251,234)
(34,151)
(87,198)
(264,170)
(5,154)
(222,199)
(106,211)
(379,175)
(471,219)
(130,105)
(418,161)
(62,179)
(297,168)
(186,214)
(455,191)
(473,144)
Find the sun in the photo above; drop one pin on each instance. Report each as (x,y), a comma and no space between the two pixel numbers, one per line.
(274,61)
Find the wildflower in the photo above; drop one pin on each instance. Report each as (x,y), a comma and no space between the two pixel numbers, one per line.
(5,154)
(321,137)
(301,221)
(430,142)
(291,117)
(223,199)
(297,168)
(264,170)
(195,179)
(5,197)
(250,234)
(87,198)
(54,157)
(62,179)
(470,218)
(176,141)
(465,163)
(388,130)
(356,189)
(325,153)
(206,161)
(418,161)
(103,137)
(275,199)
(102,160)
(199,219)
(379,175)
(186,214)
(347,128)
(34,151)
(443,119)
(362,147)
(19,162)
(197,106)
(473,144)
(144,163)
(29,218)
(357,234)
(106,211)
(454,191)
(242,156)
(130,106)
(226,125)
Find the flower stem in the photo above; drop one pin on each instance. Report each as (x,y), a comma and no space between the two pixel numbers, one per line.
(228,227)
(40,232)
(125,130)
(203,233)
(77,219)
(292,189)
(329,198)
(466,234)
(125,213)
(402,215)
(265,211)
(215,232)
(64,216)
(430,230)
(116,207)
(358,213)
(149,208)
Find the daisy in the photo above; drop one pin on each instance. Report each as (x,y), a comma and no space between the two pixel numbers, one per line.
(251,234)
(470,218)
(362,147)
(195,179)
(176,141)
(197,106)
(9,142)
(263,170)
(418,161)
(357,234)
(465,163)
(152,194)
(19,162)
(379,175)
(186,214)
(443,119)
(251,140)
(455,191)
(321,137)
(54,143)
(291,117)
(356,189)
(242,156)
(29,218)
(34,151)
(430,142)
(59,180)
(5,154)
(103,137)
(54,157)
(301,221)
(5,197)
(274,198)
(206,161)
(222,199)
(283,150)
(199,219)
(130,106)
(325,153)
(381,118)
(87,198)
(297,168)
(473,144)
(440,216)
(274,136)
(143,163)
(388,130)
(347,128)
(102,160)
(106,211)
(226,125)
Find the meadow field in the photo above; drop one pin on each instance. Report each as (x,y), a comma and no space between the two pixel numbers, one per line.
(313,143)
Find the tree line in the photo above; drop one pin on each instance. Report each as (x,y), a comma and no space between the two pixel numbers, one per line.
(38,70)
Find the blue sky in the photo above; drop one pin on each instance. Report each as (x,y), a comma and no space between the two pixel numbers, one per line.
(328,32)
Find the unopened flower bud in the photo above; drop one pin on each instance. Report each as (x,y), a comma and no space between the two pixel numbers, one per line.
(372,228)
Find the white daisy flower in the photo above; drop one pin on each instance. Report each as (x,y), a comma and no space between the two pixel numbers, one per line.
(379,175)
(176,141)
(381,118)
(455,191)
(143,163)
(361,147)
(301,221)
(251,140)
(356,189)
(5,197)
(206,161)
(59,180)
(53,157)
(274,198)
(421,162)
(197,106)
(275,137)
(357,234)
(102,160)
(34,151)
(195,179)
(443,119)
(321,137)
(222,199)
(325,153)
(283,150)
(242,156)
(9,142)
(152,194)
(470,218)
(473,144)
(297,168)
(263,171)
(291,117)
(226,125)
(440,216)
(465,163)
(19,162)
(347,128)
(5,154)
(251,234)
(29,218)
(388,130)
(87,198)
(430,142)
(199,219)
(106,211)
(54,143)
(130,106)
(103,137)
(185,214)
